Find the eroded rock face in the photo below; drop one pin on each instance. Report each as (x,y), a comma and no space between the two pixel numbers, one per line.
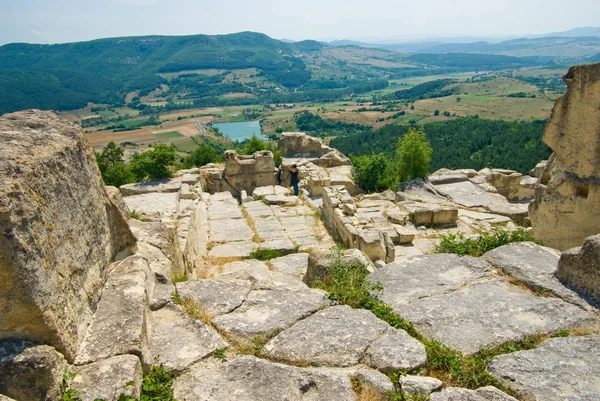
(60,230)
(567,209)
(579,268)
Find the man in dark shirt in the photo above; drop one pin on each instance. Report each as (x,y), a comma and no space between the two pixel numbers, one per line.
(294,177)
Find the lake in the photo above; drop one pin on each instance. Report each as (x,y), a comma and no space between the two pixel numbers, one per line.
(240,131)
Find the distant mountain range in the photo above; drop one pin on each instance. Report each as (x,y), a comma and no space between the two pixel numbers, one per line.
(575,43)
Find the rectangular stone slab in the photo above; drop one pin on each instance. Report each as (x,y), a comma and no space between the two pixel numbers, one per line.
(490,313)
(121,322)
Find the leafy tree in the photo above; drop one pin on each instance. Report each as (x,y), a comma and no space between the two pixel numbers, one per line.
(117,175)
(202,155)
(255,144)
(154,163)
(374,173)
(111,155)
(413,155)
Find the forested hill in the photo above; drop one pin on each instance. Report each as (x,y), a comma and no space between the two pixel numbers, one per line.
(462,143)
(105,69)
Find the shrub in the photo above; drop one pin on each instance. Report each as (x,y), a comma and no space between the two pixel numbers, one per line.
(202,155)
(374,173)
(458,244)
(153,163)
(413,155)
(264,254)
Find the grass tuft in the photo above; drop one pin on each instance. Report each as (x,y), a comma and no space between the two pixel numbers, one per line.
(458,244)
(264,254)
(193,309)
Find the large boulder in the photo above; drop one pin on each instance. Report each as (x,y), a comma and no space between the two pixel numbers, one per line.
(298,144)
(579,268)
(60,230)
(30,372)
(245,173)
(567,209)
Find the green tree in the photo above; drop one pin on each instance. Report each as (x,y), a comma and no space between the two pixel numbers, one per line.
(202,155)
(110,155)
(117,175)
(413,155)
(255,144)
(374,173)
(153,163)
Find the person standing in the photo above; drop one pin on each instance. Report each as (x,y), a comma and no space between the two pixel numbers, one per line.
(294,179)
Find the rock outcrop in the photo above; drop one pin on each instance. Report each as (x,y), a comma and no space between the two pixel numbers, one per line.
(244,173)
(567,209)
(59,230)
(579,268)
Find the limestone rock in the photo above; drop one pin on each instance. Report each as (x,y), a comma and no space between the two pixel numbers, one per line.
(108,378)
(419,384)
(538,170)
(395,350)
(241,249)
(446,176)
(164,237)
(162,294)
(5,398)
(488,393)
(566,210)
(489,313)
(261,277)
(318,263)
(153,206)
(161,186)
(178,341)
(295,264)
(248,172)
(216,297)
(579,268)
(342,336)
(533,264)
(252,379)
(265,311)
(559,367)
(60,230)
(425,276)
(298,144)
(468,194)
(30,372)
(121,321)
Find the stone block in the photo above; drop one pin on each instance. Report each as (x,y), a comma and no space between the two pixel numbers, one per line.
(579,269)
(108,379)
(121,321)
(30,372)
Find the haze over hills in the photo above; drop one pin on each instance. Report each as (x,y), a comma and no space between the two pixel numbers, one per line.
(577,42)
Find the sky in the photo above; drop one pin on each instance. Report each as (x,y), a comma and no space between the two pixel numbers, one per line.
(59,21)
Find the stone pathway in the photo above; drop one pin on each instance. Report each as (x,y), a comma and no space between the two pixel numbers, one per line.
(310,349)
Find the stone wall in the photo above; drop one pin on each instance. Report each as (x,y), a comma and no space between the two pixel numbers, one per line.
(59,230)
(567,209)
(244,173)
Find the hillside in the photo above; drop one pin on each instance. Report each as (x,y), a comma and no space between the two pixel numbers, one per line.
(105,70)
(237,69)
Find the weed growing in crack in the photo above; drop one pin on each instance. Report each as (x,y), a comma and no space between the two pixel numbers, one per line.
(458,244)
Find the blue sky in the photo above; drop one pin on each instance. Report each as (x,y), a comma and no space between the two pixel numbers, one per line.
(57,21)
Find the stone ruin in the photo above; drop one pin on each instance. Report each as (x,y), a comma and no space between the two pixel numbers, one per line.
(88,289)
